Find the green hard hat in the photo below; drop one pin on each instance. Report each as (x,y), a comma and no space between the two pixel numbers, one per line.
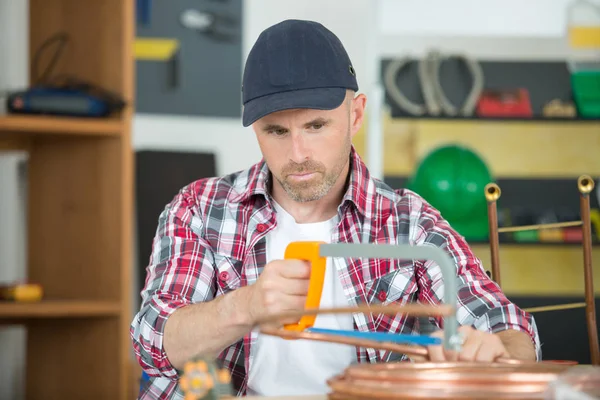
(452,179)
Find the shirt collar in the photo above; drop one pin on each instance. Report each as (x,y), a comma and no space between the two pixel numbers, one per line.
(256,181)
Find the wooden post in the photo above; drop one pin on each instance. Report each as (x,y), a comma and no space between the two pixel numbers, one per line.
(492,194)
(585,185)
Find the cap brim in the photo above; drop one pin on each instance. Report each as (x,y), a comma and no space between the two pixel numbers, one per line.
(317,99)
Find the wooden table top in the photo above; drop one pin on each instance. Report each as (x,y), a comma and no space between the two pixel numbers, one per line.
(288,398)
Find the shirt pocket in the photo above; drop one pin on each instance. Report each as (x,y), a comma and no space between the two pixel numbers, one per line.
(229,273)
(398,285)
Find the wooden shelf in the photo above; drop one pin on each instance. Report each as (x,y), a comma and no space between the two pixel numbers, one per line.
(79,203)
(541,270)
(14,143)
(534,119)
(47,125)
(59,309)
(532,244)
(512,150)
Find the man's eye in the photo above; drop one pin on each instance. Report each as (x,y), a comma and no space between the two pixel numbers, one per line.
(316,127)
(278,132)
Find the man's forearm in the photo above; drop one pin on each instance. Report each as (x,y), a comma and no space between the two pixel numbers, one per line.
(207,328)
(518,344)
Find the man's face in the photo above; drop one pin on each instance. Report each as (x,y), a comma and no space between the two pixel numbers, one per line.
(307,151)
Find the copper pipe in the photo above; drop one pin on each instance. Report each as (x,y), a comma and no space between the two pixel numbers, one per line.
(553,225)
(364,343)
(358,370)
(409,350)
(585,184)
(503,378)
(555,308)
(445,380)
(492,194)
(412,309)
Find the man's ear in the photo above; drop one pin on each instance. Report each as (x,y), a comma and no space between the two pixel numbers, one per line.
(357,113)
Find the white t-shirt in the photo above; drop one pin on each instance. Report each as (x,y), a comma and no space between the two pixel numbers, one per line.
(280,367)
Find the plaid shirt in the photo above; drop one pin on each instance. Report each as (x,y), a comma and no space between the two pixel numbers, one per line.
(211,240)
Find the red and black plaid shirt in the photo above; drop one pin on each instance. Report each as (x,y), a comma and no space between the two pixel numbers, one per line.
(211,240)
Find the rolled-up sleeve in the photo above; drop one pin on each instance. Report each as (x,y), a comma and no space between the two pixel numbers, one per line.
(481,302)
(180,272)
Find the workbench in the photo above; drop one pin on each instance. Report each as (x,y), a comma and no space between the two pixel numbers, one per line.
(324,397)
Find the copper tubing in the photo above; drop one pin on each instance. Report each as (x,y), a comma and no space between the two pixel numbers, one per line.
(585,184)
(537,227)
(462,380)
(492,194)
(364,343)
(557,307)
(364,370)
(409,350)
(412,309)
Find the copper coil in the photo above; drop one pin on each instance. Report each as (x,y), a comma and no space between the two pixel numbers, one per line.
(446,380)
(502,379)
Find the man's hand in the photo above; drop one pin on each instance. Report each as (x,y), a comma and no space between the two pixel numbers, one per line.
(206,328)
(478,346)
(281,287)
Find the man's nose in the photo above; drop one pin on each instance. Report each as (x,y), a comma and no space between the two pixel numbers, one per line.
(299,151)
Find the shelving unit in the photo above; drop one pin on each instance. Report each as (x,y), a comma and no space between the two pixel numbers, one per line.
(61,309)
(61,126)
(512,147)
(80,199)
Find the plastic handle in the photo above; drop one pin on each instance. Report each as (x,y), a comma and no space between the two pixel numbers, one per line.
(308,251)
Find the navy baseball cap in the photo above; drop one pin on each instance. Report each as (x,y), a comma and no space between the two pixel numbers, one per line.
(295,64)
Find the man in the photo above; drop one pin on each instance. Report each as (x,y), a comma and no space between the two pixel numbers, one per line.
(217,263)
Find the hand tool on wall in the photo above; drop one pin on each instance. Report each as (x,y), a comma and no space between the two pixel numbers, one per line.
(436,102)
(143,11)
(505,103)
(216,26)
(160,49)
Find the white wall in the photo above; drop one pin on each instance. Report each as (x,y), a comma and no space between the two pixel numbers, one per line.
(12,268)
(234,145)
(490,30)
(513,18)
(537,31)
(13,75)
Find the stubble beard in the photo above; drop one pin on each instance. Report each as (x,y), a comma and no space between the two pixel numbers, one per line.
(318,187)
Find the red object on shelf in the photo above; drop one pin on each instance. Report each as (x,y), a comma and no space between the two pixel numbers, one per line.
(505,103)
(573,234)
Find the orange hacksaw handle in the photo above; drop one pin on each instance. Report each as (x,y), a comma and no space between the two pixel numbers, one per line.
(308,251)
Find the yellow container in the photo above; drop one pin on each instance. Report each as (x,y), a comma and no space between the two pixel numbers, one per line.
(155,49)
(21,292)
(584,37)
(583,24)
